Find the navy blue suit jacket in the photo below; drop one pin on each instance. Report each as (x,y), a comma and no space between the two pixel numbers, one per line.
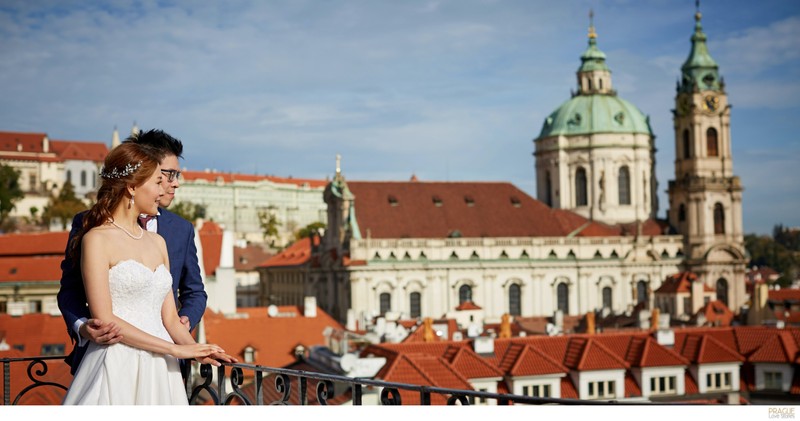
(187,283)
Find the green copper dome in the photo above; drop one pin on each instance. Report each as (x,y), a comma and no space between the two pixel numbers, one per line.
(699,71)
(587,114)
(593,58)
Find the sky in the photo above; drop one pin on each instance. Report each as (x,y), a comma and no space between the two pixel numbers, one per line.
(447,90)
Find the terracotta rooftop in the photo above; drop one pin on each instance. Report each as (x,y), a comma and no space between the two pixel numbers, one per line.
(716,313)
(80,150)
(679,282)
(297,253)
(274,338)
(788,294)
(780,348)
(413,209)
(211,238)
(34,244)
(22,142)
(248,258)
(30,269)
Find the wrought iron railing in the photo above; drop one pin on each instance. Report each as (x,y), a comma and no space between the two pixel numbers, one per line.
(228,385)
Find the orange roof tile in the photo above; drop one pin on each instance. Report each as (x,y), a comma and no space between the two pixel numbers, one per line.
(704,349)
(22,142)
(298,253)
(468,305)
(533,362)
(716,313)
(780,348)
(679,282)
(248,258)
(211,238)
(30,269)
(274,338)
(789,294)
(470,364)
(80,150)
(33,244)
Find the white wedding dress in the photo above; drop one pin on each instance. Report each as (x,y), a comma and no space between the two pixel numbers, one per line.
(122,375)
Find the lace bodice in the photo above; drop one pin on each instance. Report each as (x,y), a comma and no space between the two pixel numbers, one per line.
(137,294)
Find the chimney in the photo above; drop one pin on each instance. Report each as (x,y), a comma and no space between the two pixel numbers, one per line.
(310,306)
(505,326)
(697,294)
(427,330)
(590,328)
(483,345)
(654,318)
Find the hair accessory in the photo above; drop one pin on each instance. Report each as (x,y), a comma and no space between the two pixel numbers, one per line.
(116,173)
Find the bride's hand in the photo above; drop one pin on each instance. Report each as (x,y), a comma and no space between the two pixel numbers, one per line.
(195,350)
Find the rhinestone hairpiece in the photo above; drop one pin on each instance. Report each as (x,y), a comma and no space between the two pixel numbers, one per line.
(116,173)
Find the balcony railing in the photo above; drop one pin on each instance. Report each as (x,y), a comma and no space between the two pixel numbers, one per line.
(279,386)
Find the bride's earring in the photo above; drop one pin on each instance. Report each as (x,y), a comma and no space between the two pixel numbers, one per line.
(131,203)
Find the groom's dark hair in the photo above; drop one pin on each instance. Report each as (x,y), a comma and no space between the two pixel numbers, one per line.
(158,139)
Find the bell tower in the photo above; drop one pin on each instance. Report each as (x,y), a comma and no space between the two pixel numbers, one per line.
(706,197)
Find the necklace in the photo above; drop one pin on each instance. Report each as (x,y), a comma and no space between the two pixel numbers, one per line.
(128,232)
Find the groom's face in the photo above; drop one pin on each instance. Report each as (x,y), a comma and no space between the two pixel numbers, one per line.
(169,163)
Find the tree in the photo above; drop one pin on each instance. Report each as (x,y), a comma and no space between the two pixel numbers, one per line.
(10,191)
(269,224)
(189,211)
(63,207)
(308,230)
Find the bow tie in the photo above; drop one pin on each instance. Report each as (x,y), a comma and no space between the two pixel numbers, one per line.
(144,219)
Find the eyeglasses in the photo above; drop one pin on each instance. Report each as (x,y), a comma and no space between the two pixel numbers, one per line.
(172,175)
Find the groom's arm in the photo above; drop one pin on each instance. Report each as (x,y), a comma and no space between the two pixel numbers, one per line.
(191,292)
(71,295)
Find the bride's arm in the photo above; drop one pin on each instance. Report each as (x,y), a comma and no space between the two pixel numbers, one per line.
(95,266)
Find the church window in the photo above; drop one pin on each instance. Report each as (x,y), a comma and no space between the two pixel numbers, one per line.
(415,299)
(607,298)
(514,305)
(719,219)
(385,302)
(562,292)
(69,176)
(94,179)
(711,142)
(624,186)
(83,178)
(580,188)
(687,148)
(600,82)
(722,291)
(464,294)
(548,185)
(641,292)
(589,83)
(682,213)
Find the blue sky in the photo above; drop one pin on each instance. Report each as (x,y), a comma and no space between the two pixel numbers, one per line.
(447,90)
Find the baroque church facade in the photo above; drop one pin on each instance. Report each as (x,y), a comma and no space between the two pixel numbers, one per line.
(476,251)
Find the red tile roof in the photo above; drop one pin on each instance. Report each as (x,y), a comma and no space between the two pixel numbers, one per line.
(248,258)
(533,362)
(421,369)
(416,209)
(211,238)
(789,294)
(29,142)
(297,253)
(470,364)
(274,338)
(782,347)
(213,176)
(50,330)
(679,282)
(704,349)
(30,269)
(716,313)
(80,150)
(33,244)
(468,305)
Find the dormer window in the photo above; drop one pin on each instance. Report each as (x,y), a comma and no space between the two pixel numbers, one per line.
(515,201)
(392,200)
(437,201)
(469,200)
(249,355)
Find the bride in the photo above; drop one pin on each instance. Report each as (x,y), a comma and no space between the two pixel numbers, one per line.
(127,280)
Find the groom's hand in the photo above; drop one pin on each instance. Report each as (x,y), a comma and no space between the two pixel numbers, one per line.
(100,332)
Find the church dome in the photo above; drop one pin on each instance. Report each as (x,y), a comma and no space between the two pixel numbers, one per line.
(596,113)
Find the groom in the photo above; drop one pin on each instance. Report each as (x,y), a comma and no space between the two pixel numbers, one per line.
(187,283)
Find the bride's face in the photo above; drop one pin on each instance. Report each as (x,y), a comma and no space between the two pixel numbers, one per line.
(149,193)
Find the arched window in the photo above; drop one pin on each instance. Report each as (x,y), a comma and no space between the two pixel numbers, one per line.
(563,297)
(580,188)
(548,185)
(600,82)
(722,290)
(641,292)
(589,83)
(624,186)
(687,147)
(514,307)
(711,142)
(719,219)
(681,213)
(83,178)
(464,294)
(69,176)
(607,300)
(386,302)
(415,299)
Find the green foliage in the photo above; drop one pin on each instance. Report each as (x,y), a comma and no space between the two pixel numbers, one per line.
(780,252)
(312,228)
(63,207)
(10,191)
(188,210)
(269,224)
